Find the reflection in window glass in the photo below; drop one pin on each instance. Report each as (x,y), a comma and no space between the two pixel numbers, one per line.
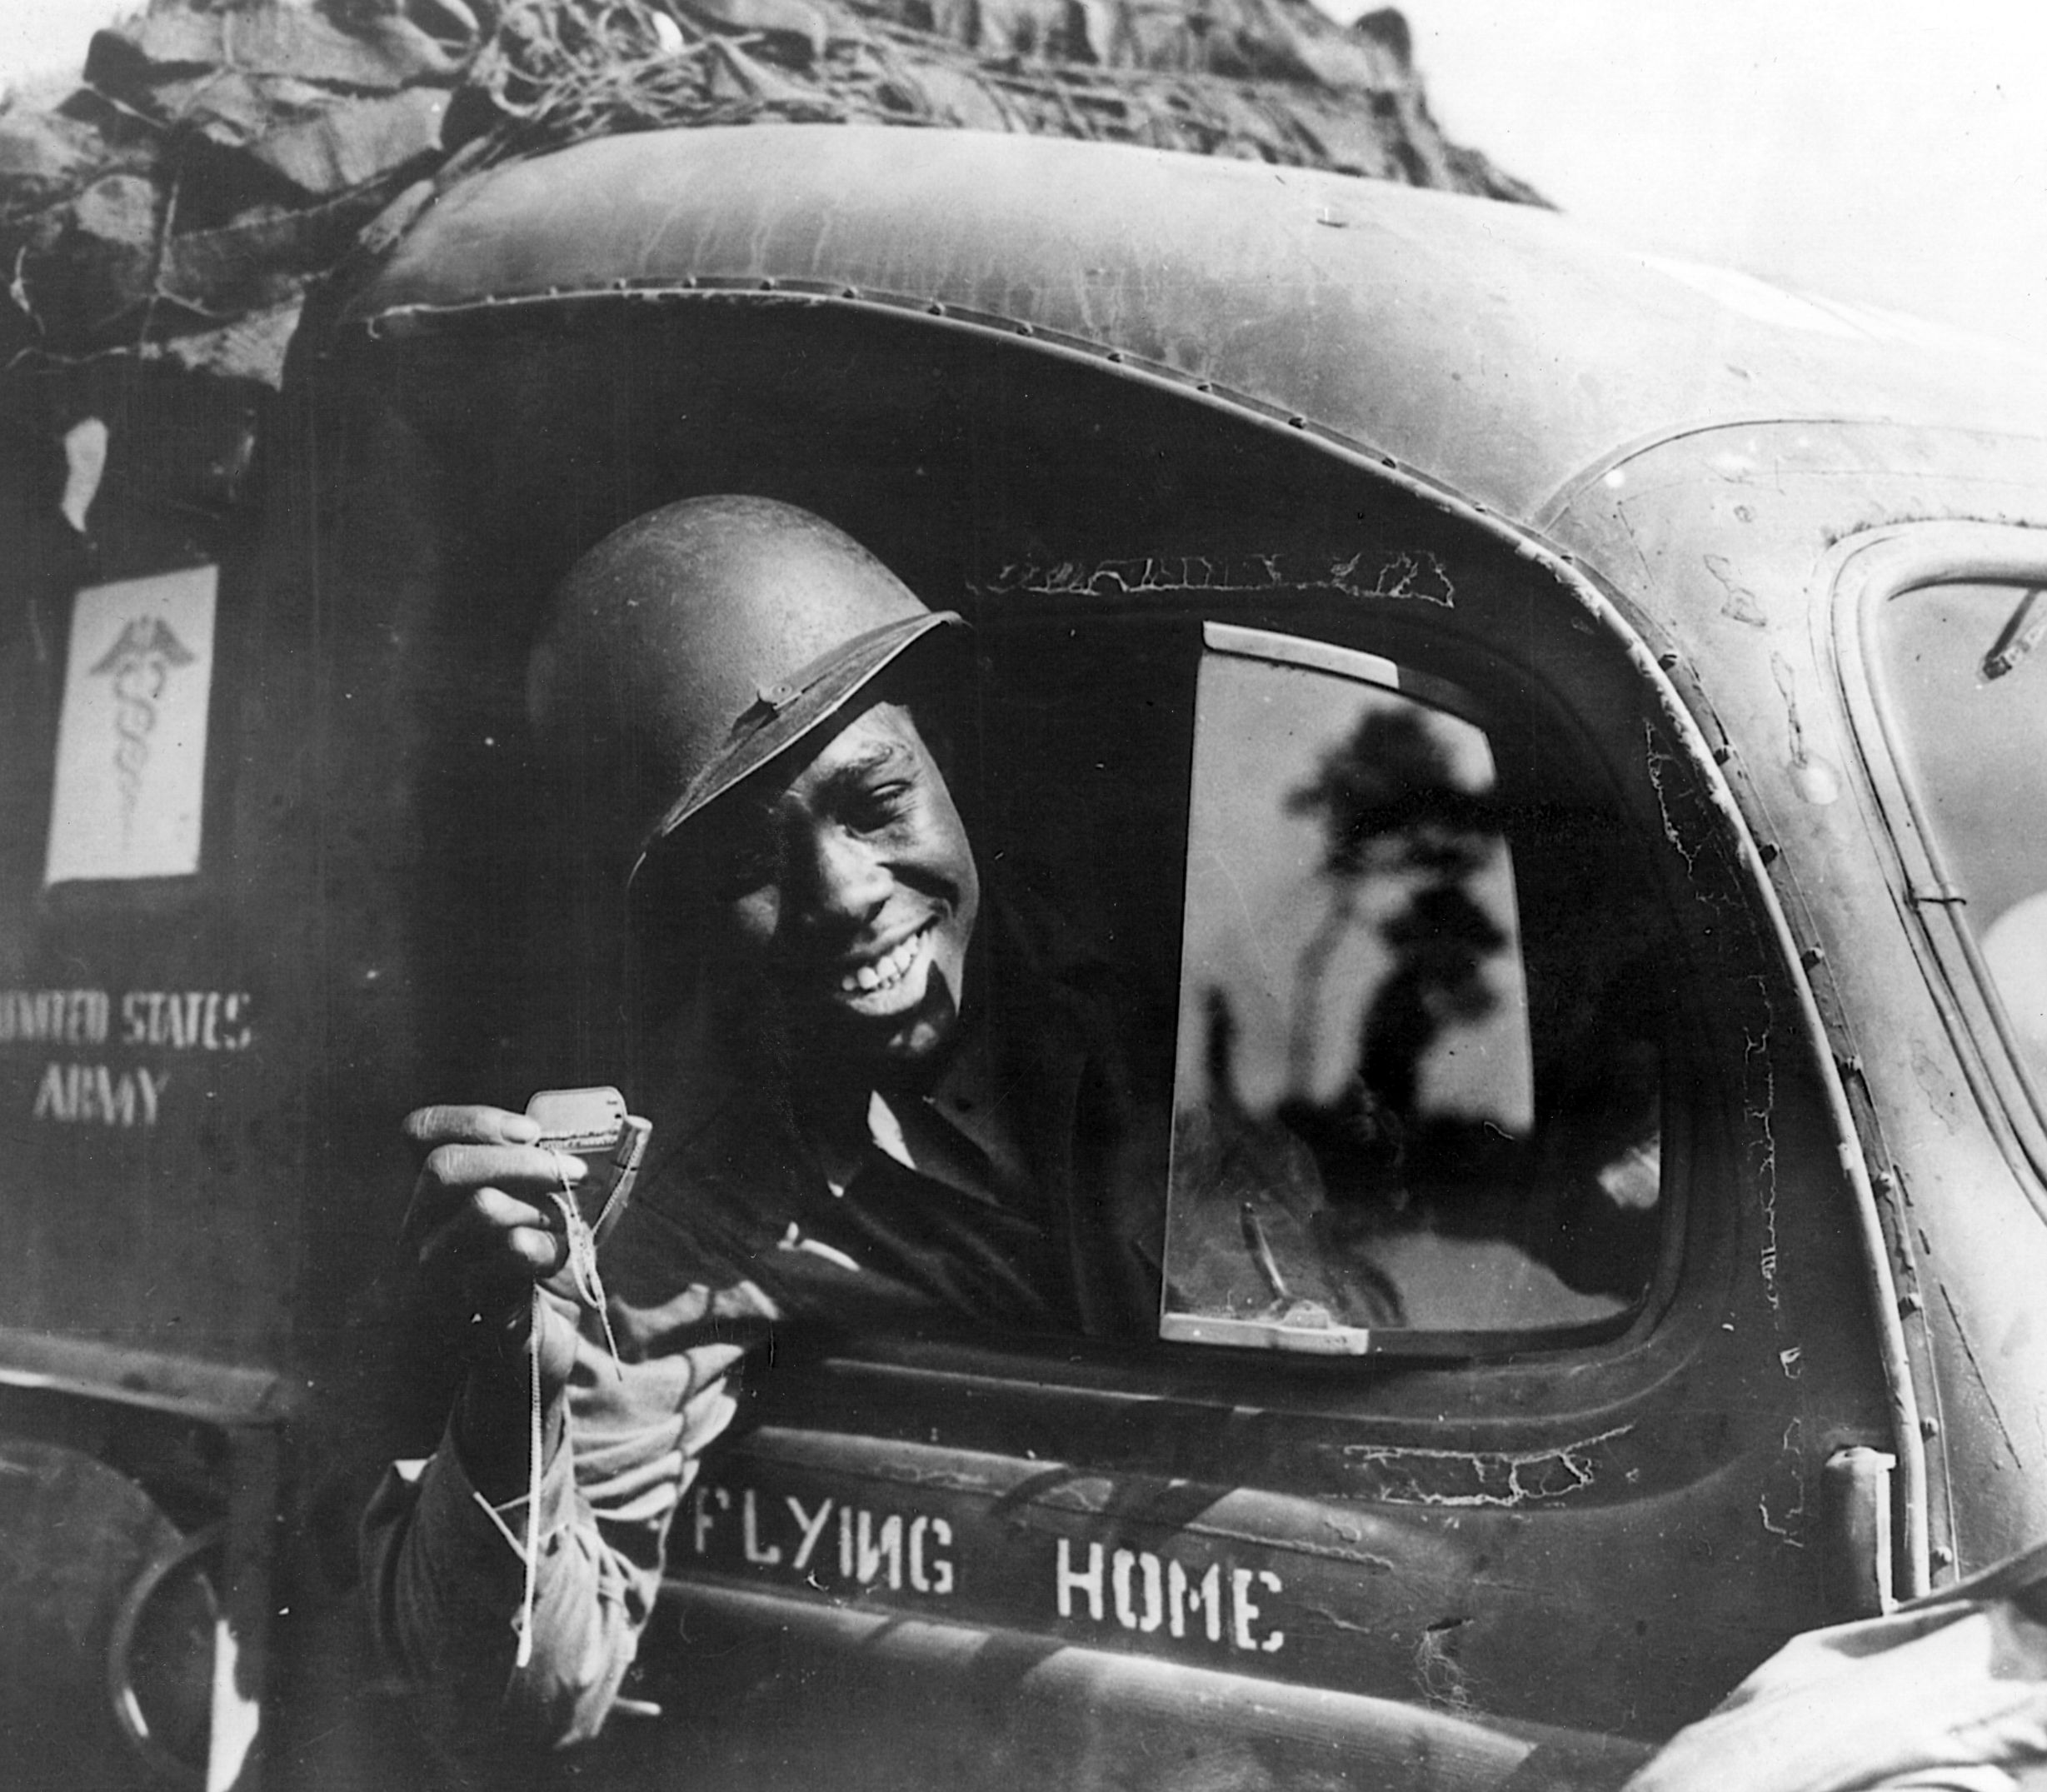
(1963,689)
(1360,1140)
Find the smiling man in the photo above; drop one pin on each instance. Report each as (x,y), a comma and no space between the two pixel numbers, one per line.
(893,1094)
(856,879)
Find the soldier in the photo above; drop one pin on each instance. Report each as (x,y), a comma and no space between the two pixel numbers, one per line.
(908,1096)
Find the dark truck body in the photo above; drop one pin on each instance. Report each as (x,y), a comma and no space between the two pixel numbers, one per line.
(1108,403)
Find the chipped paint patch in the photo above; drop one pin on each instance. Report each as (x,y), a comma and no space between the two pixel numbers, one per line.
(1782,1532)
(1933,1078)
(1416,575)
(1759,1068)
(1740,604)
(1762,1114)
(1438,1672)
(1480,1478)
(1657,761)
(1813,777)
(1787,1529)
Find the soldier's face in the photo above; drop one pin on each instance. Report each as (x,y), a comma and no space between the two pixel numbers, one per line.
(850,884)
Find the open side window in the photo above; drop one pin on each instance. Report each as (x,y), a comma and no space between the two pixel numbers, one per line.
(1508,1180)
(1416,1091)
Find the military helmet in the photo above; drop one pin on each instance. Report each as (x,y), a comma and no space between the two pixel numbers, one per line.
(698,641)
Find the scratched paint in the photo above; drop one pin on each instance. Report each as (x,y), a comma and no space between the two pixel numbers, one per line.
(1656,762)
(1787,1523)
(1416,575)
(1740,605)
(1758,1067)
(1757,1052)
(1439,1675)
(1812,777)
(1481,1478)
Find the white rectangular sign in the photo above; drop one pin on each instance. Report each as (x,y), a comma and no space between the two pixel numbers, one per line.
(131,742)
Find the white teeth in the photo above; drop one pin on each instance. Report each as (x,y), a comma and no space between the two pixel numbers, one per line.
(885,971)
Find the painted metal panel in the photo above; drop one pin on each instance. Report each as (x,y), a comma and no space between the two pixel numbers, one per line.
(1496,350)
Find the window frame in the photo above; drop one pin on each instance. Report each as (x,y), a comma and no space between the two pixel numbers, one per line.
(1874,572)
(1364,667)
(1695,1264)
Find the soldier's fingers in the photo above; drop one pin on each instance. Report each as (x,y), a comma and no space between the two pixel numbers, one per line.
(518,1260)
(511,1254)
(473,1123)
(452,1173)
(541,1251)
(528,1168)
(475,1228)
(522,1257)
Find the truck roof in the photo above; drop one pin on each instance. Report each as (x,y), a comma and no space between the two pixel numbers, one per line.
(1500,352)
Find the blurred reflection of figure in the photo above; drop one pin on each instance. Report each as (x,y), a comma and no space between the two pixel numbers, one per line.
(1337,1187)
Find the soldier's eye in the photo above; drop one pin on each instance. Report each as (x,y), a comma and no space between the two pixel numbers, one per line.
(876,805)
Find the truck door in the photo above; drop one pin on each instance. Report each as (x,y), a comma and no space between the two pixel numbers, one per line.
(1513,1304)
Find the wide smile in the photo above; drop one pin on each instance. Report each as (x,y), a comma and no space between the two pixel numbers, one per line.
(891,980)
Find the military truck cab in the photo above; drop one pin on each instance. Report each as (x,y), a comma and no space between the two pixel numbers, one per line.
(1542,734)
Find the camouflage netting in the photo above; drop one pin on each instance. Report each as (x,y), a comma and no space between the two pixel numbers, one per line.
(219,157)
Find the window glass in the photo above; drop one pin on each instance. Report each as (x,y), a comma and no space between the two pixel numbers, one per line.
(1404,1100)
(1963,690)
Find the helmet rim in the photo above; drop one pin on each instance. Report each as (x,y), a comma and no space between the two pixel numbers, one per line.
(692,646)
(785,714)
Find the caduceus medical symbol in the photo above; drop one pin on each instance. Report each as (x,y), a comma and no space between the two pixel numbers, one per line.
(140,663)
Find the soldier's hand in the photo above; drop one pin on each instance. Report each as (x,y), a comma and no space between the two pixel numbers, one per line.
(481,1225)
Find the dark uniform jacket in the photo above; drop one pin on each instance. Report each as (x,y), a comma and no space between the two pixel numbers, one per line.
(737,1231)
